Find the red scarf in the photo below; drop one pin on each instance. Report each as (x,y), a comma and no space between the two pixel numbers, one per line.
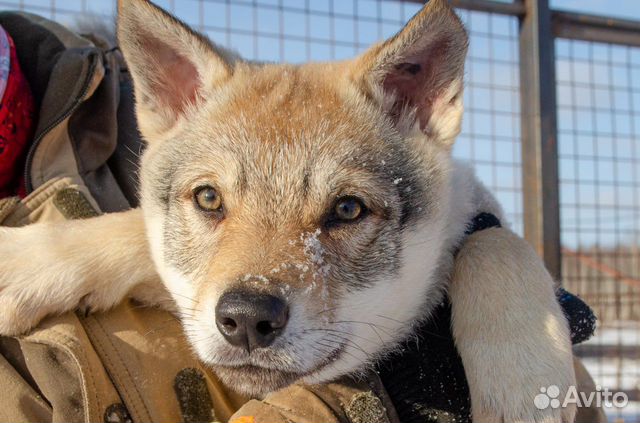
(16,119)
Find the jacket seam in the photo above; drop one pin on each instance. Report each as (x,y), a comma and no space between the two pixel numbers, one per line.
(126,370)
(68,343)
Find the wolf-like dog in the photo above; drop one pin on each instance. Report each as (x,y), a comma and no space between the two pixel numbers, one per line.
(289,207)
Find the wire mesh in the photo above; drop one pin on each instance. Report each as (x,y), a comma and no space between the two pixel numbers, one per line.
(598,120)
(303,30)
(599,127)
(328,30)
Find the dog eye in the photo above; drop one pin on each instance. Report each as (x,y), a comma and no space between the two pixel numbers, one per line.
(348,209)
(207,199)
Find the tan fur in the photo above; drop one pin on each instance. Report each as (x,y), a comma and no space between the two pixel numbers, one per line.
(93,253)
(281,143)
(520,287)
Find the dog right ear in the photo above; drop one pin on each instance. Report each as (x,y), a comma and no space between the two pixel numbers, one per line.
(173,67)
(417,75)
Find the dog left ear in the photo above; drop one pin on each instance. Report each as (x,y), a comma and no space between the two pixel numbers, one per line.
(417,75)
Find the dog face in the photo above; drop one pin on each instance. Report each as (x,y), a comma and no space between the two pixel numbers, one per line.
(297,214)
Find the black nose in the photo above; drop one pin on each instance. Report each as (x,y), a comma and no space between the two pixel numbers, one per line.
(250,320)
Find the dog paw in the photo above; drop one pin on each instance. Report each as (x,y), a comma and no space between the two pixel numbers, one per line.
(16,318)
(546,407)
(523,381)
(21,306)
(520,382)
(30,283)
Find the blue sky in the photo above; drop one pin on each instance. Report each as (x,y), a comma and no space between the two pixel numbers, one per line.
(627,9)
(598,92)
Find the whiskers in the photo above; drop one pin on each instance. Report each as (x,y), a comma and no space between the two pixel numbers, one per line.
(327,340)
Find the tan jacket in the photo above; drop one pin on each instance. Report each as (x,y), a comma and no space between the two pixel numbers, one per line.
(132,363)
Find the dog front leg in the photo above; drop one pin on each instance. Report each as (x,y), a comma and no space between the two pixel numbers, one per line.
(509,330)
(50,268)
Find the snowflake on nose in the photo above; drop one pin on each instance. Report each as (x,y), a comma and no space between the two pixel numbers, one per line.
(314,251)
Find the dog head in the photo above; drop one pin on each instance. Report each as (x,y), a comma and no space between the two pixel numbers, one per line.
(297,214)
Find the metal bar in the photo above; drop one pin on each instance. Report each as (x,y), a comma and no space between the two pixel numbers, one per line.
(595,28)
(490,6)
(569,25)
(539,134)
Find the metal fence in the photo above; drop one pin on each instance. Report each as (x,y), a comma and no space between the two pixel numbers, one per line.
(599,151)
(552,126)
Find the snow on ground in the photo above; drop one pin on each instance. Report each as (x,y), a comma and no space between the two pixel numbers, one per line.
(617,366)
(617,333)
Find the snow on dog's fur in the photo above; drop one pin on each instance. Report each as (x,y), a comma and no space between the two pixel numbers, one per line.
(281,146)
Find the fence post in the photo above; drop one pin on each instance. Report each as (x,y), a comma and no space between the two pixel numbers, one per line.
(539,134)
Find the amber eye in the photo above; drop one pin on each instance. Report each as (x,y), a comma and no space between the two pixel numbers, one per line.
(207,199)
(348,209)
